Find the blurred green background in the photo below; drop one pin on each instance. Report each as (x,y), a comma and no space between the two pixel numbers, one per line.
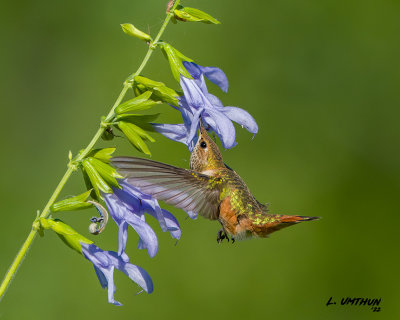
(322,80)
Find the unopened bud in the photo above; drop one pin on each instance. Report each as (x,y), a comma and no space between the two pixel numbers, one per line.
(131,30)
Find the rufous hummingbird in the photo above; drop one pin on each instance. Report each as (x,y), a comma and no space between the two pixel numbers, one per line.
(210,188)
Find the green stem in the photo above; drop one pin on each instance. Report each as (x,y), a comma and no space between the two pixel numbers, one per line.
(46,211)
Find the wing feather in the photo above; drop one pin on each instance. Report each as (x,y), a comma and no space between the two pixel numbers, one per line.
(182,188)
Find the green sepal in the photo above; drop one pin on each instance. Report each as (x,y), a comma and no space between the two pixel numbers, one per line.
(148,83)
(95,178)
(74,203)
(131,30)
(137,118)
(142,133)
(108,173)
(104,154)
(130,131)
(141,102)
(195,15)
(167,95)
(160,91)
(70,237)
(175,59)
(89,186)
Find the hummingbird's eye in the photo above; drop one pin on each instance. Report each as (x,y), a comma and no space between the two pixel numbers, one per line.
(203,144)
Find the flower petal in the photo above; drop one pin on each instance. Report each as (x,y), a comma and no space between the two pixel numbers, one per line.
(216,76)
(139,276)
(109,274)
(194,96)
(122,237)
(172,224)
(147,203)
(194,126)
(223,127)
(145,232)
(176,132)
(102,278)
(241,117)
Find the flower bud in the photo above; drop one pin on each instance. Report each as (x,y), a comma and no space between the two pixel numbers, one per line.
(175,59)
(141,102)
(74,203)
(192,14)
(160,91)
(102,154)
(70,237)
(108,173)
(96,180)
(137,118)
(130,131)
(131,30)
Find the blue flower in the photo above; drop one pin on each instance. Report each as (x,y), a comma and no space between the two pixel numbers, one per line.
(198,102)
(127,206)
(105,262)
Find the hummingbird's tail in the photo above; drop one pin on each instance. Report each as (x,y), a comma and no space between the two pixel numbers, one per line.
(277,222)
(297,219)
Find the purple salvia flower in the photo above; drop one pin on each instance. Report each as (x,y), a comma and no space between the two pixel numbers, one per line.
(105,262)
(197,101)
(127,206)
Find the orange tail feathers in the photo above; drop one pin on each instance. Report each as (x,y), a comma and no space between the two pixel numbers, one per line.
(283,221)
(296,219)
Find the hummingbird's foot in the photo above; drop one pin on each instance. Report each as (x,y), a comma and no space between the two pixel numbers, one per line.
(233,240)
(222,235)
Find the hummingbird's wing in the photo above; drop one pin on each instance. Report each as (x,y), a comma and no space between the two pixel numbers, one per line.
(181,188)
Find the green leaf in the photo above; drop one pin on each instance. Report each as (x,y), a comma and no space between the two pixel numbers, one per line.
(95,178)
(133,136)
(108,173)
(74,203)
(68,235)
(104,154)
(141,102)
(196,15)
(131,30)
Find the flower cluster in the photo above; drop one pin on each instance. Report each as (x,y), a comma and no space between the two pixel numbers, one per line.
(126,204)
(198,102)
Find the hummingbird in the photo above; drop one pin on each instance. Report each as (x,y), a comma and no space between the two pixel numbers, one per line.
(210,188)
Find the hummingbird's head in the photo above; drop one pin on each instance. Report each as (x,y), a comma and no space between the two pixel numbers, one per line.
(206,156)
